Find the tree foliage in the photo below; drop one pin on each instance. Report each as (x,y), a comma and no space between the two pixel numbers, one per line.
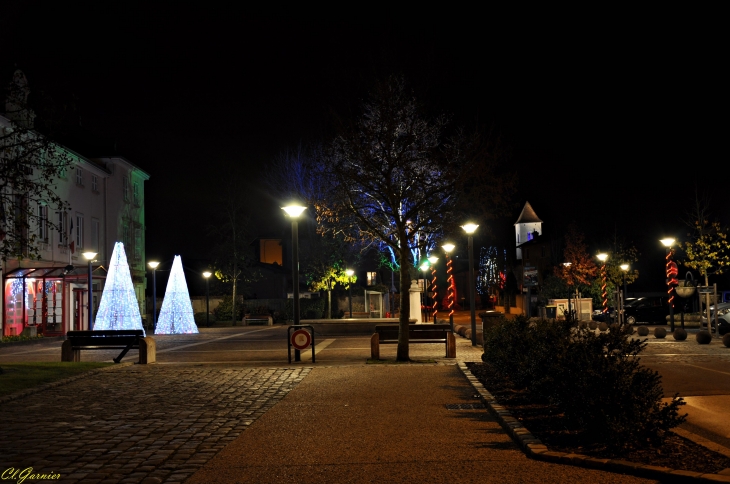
(395,175)
(324,264)
(707,250)
(581,269)
(30,165)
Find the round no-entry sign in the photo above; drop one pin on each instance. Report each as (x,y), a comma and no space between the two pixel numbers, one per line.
(301,339)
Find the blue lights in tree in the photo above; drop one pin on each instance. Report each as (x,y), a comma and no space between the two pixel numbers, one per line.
(176,315)
(119,308)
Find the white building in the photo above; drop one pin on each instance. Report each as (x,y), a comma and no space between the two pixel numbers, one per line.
(528,225)
(50,295)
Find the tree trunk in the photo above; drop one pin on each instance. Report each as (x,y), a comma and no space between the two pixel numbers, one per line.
(329,304)
(233,303)
(405,303)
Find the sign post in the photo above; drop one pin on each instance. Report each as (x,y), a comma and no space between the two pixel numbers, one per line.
(300,339)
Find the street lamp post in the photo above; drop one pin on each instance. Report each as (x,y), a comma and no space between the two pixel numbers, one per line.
(89,256)
(434,300)
(424,310)
(295,211)
(671,268)
(207,275)
(602,257)
(154,265)
(469,229)
(450,282)
(349,273)
(570,310)
(624,268)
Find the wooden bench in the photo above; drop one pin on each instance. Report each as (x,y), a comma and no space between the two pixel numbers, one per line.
(417,333)
(265,320)
(123,339)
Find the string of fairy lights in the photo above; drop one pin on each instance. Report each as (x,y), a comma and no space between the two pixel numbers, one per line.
(118,308)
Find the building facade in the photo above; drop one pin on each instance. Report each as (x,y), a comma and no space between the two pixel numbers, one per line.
(49,295)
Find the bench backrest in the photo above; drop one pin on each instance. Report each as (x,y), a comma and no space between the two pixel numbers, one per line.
(105,337)
(389,332)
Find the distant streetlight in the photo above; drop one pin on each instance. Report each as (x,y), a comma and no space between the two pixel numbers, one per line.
(434,300)
(672,272)
(207,275)
(624,269)
(469,229)
(450,281)
(294,211)
(349,273)
(154,265)
(602,257)
(89,256)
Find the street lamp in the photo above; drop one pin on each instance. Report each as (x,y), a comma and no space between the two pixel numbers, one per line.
(469,229)
(207,275)
(424,267)
(89,256)
(294,211)
(671,268)
(450,282)
(349,273)
(154,265)
(570,310)
(432,260)
(602,257)
(624,268)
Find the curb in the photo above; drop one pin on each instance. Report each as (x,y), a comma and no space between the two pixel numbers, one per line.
(46,386)
(534,448)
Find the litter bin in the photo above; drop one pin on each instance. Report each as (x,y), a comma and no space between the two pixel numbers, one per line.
(551,312)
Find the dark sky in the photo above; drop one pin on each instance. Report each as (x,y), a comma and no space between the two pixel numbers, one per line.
(611,116)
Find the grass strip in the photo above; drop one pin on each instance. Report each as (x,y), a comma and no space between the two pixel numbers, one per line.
(15,377)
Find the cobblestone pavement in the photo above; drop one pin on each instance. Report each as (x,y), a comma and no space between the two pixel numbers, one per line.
(138,423)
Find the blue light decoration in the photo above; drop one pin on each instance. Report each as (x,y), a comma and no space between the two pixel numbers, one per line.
(119,308)
(176,315)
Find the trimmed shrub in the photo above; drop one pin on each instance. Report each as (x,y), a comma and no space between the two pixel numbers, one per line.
(308,308)
(224,309)
(643,331)
(679,334)
(592,324)
(660,333)
(602,327)
(726,340)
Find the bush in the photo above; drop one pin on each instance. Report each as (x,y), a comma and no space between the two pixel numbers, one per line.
(594,379)
(201,320)
(308,308)
(223,310)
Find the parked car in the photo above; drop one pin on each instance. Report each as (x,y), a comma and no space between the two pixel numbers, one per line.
(723,318)
(650,309)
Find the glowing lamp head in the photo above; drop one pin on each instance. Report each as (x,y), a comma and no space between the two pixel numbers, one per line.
(624,267)
(448,247)
(469,228)
(89,255)
(433,259)
(207,274)
(294,210)
(349,272)
(153,264)
(602,256)
(668,242)
(567,264)
(424,266)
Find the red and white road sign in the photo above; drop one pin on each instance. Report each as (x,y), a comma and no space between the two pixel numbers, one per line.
(301,339)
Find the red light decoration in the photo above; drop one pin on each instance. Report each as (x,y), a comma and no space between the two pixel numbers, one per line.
(604,294)
(672,273)
(452,286)
(435,293)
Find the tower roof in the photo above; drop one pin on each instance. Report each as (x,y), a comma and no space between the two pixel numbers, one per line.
(528,215)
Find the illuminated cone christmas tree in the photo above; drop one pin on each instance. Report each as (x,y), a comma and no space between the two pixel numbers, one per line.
(176,315)
(119,308)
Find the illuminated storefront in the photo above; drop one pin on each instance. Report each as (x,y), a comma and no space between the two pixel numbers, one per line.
(50,299)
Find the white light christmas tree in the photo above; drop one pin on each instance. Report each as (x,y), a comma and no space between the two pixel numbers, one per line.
(119,308)
(176,315)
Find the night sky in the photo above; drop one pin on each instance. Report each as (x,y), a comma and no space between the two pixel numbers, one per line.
(610,117)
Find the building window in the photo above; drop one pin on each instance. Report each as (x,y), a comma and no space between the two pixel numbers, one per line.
(372,278)
(61,222)
(79,177)
(125,188)
(43,223)
(137,244)
(94,183)
(79,231)
(135,193)
(95,235)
